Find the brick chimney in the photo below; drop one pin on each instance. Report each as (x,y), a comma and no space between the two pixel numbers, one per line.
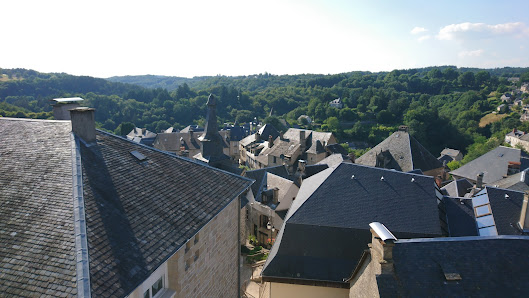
(270,141)
(382,243)
(439,180)
(524,214)
(84,124)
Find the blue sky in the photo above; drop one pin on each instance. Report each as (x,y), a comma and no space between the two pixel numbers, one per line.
(194,38)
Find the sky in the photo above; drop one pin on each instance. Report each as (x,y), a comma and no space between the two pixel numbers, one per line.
(211,37)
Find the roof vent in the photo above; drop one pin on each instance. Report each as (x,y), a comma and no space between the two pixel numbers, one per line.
(382,178)
(506,196)
(138,155)
(412,179)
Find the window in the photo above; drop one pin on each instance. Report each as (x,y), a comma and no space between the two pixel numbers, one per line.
(197,254)
(263,221)
(188,246)
(157,286)
(196,239)
(188,264)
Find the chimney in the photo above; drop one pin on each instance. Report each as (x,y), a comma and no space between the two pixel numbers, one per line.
(524,215)
(270,141)
(403,128)
(301,171)
(302,140)
(382,243)
(439,181)
(61,110)
(281,135)
(84,124)
(479,180)
(257,137)
(352,157)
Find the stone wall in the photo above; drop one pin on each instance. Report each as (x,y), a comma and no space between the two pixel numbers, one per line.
(207,266)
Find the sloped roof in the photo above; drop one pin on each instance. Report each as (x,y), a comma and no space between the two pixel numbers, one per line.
(493,164)
(450,152)
(505,210)
(457,188)
(488,267)
(460,217)
(325,138)
(405,153)
(37,250)
(316,148)
(516,182)
(138,213)
(326,228)
(332,160)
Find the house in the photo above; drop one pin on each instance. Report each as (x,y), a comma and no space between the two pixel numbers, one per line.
(87,213)
(296,144)
(495,165)
(326,229)
(448,155)
(525,116)
(507,97)
(441,267)
(336,103)
(518,182)
(503,108)
(525,88)
(184,142)
(271,196)
(142,136)
(517,138)
(235,134)
(251,146)
(402,152)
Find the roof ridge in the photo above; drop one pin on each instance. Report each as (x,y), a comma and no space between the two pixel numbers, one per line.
(173,155)
(464,238)
(36,120)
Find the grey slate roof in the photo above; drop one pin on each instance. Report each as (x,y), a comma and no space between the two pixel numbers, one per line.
(506,212)
(488,266)
(516,182)
(457,188)
(138,213)
(494,164)
(460,217)
(404,152)
(37,249)
(326,228)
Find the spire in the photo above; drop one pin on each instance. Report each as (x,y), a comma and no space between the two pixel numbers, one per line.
(211,131)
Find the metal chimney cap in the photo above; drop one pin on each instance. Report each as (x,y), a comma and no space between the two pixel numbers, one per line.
(382,231)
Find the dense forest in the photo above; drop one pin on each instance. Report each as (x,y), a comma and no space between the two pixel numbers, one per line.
(443,106)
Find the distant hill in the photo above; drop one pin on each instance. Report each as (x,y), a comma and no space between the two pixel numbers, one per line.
(153,81)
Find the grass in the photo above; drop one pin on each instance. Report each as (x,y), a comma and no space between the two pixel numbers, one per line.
(490,118)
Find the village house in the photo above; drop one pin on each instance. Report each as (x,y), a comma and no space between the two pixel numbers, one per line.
(525,88)
(440,267)
(517,138)
(402,152)
(252,145)
(86,213)
(336,103)
(184,142)
(507,98)
(326,229)
(495,165)
(142,136)
(448,155)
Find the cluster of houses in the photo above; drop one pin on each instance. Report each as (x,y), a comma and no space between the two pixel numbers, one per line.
(87,213)
(515,98)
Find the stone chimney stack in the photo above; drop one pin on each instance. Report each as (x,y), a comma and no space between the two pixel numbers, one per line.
(257,137)
(302,140)
(524,214)
(84,124)
(439,180)
(301,171)
(61,110)
(352,157)
(479,180)
(382,243)
(270,141)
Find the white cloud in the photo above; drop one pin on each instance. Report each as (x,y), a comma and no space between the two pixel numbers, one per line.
(475,53)
(423,38)
(418,30)
(481,30)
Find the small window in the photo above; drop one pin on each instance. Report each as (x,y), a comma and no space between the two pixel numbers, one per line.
(188,246)
(247,214)
(146,294)
(197,254)
(188,264)
(196,239)
(157,286)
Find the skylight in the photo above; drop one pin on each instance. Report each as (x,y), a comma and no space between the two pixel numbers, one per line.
(138,155)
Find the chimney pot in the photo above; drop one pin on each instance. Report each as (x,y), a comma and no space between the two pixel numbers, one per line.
(83,123)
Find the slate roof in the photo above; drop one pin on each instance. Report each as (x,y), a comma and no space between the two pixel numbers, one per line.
(325,138)
(316,148)
(493,164)
(326,228)
(332,160)
(506,211)
(460,217)
(37,249)
(488,267)
(450,152)
(138,213)
(516,182)
(457,188)
(405,153)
